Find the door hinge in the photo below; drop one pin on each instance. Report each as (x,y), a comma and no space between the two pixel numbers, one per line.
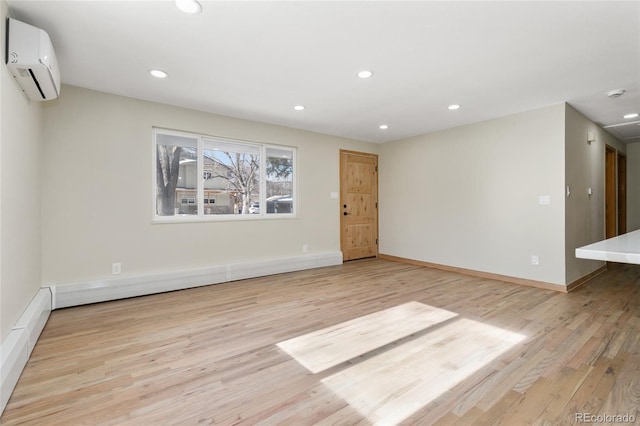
(376,205)
(376,241)
(376,168)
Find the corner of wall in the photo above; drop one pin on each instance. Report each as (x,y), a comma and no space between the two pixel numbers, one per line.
(21,137)
(584,188)
(24,306)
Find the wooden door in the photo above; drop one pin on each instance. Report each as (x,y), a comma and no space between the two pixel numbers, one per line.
(622,193)
(610,192)
(358,205)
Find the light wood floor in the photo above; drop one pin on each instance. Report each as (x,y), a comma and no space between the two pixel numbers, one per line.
(467,351)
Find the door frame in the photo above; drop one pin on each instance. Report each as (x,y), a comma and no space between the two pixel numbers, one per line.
(342,201)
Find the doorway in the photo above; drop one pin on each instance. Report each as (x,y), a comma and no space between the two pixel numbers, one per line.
(610,206)
(622,193)
(358,205)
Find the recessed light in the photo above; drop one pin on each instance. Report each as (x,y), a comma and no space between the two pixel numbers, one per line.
(454,106)
(189,6)
(383,126)
(298,107)
(365,74)
(158,73)
(633,115)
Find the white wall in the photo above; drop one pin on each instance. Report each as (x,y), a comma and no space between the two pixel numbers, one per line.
(468,197)
(20,195)
(633,186)
(585,221)
(98,199)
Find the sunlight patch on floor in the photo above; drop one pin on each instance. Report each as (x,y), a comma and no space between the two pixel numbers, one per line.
(326,348)
(389,387)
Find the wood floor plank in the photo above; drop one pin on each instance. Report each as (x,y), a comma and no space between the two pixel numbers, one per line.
(586,397)
(496,413)
(210,355)
(532,403)
(564,391)
(624,397)
(508,383)
(490,386)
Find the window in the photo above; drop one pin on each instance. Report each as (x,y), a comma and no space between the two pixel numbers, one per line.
(237,178)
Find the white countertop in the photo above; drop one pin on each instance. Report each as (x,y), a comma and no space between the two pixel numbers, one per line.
(623,248)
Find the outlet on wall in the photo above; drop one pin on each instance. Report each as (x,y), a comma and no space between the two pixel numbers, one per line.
(534,259)
(305,248)
(116,268)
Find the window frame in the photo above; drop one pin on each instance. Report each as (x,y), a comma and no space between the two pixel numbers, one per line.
(200,216)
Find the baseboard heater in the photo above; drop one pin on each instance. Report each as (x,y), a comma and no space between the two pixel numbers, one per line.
(81,293)
(16,348)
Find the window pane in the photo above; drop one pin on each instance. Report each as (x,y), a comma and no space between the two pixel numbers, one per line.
(279,172)
(176,175)
(231,177)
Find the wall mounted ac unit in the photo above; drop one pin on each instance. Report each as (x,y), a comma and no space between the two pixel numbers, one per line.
(32,61)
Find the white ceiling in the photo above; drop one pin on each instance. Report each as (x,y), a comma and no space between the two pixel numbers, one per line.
(256,60)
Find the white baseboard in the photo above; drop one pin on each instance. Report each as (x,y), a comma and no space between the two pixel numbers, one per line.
(19,343)
(80,293)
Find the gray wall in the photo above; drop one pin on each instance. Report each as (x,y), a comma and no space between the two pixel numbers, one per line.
(468,197)
(633,186)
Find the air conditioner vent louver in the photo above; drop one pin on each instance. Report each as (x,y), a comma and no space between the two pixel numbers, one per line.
(35,81)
